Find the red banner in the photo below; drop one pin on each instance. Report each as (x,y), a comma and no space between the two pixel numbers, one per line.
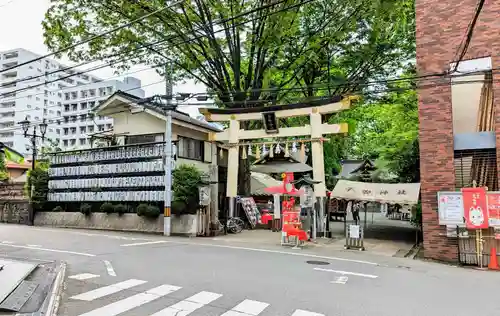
(475,208)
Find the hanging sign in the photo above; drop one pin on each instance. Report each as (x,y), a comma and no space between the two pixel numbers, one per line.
(475,208)
(307,198)
(204,195)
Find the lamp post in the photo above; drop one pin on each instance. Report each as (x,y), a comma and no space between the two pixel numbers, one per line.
(26,124)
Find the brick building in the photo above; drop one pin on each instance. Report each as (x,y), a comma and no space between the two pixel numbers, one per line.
(457,112)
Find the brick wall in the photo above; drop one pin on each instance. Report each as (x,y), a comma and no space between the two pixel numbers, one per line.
(441,25)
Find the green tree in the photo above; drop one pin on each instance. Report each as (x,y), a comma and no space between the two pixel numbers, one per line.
(384,128)
(247,53)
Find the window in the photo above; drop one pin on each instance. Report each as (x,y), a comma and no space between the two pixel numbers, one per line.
(65,142)
(190,148)
(83,141)
(145,138)
(73,130)
(91,128)
(83,129)
(73,142)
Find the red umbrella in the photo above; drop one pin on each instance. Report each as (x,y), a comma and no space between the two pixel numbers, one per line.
(287,188)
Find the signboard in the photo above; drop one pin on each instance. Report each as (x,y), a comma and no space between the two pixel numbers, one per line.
(475,208)
(450,208)
(354,231)
(307,199)
(121,173)
(204,192)
(494,208)
(251,210)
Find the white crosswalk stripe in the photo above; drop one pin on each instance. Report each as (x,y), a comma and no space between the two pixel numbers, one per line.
(189,305)
(183,307)
(137,300)
(247,308)
(108,290)
(300,312)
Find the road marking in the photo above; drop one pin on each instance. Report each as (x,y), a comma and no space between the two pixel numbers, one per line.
(67,231)
(300,312)
(340,280)
(287,253)
(134,301)
(109,267)
(7,242)
(50,250)
(247,308)
(36,246)
(83,276)
(107,290)
(189,305)
(145,243)
(371,276)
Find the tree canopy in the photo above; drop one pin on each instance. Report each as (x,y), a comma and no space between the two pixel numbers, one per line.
(244,51)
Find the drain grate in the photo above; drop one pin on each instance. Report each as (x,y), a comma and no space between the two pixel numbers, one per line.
(319,263)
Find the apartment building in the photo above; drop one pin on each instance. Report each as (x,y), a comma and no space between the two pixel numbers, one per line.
(47,100)
(77,123)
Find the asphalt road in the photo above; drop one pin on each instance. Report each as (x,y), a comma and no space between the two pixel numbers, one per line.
(132,274)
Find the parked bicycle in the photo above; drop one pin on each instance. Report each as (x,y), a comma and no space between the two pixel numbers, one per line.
(234,225)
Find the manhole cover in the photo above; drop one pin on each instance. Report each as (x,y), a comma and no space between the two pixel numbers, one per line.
(319,263)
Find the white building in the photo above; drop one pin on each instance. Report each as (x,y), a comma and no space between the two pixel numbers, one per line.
(77,124)
(48,101)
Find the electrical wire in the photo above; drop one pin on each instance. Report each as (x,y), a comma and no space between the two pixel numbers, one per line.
(469,33)
(364,93)
(165,40)
(62,50)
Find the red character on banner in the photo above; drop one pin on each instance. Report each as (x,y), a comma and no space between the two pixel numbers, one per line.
(475,208)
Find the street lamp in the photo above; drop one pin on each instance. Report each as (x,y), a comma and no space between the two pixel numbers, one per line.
(26,124)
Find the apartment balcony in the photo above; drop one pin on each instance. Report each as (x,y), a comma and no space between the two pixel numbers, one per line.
(9,75)
(7,105)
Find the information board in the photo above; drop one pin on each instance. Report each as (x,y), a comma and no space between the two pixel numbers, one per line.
(251,210)
(494,208)
(450,208)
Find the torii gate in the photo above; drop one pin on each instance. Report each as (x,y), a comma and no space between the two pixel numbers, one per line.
(270,116)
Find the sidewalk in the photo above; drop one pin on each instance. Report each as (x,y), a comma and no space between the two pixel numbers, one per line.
(262,237)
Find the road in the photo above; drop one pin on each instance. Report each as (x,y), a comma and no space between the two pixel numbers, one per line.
(131,274)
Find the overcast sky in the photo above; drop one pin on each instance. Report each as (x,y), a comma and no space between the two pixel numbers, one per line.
(20,27)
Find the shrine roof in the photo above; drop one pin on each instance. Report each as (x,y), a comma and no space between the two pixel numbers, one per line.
(272,108)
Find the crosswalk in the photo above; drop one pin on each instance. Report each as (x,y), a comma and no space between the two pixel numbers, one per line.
(183,307)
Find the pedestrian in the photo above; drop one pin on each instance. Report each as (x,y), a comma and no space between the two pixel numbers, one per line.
(355,212)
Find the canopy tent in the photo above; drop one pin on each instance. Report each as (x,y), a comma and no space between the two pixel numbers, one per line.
(391,193)
(260,181)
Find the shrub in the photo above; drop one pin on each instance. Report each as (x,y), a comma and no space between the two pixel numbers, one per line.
(107,208)
(149,211)
(39,178)
(186,181)
(152,212)
(58,209)
(120,209)
(142,209)
(86,209)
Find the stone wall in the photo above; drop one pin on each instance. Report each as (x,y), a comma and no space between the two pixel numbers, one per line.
(181,225)
(441,27)
(13,204)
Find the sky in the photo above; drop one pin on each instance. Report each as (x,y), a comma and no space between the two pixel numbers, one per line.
(20,27)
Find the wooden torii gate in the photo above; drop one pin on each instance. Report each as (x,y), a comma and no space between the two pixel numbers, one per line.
(270,115)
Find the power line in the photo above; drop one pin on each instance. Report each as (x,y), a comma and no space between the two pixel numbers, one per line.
(325,88)
(165,40)
(469,33)
(92,38)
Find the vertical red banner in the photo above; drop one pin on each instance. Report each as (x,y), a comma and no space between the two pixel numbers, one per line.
(475,208)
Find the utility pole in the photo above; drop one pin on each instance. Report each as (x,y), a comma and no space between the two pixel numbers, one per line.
(168,151)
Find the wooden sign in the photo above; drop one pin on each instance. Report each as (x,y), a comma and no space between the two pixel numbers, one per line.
(251,210)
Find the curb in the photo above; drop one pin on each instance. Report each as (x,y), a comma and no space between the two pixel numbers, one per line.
(55,295)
